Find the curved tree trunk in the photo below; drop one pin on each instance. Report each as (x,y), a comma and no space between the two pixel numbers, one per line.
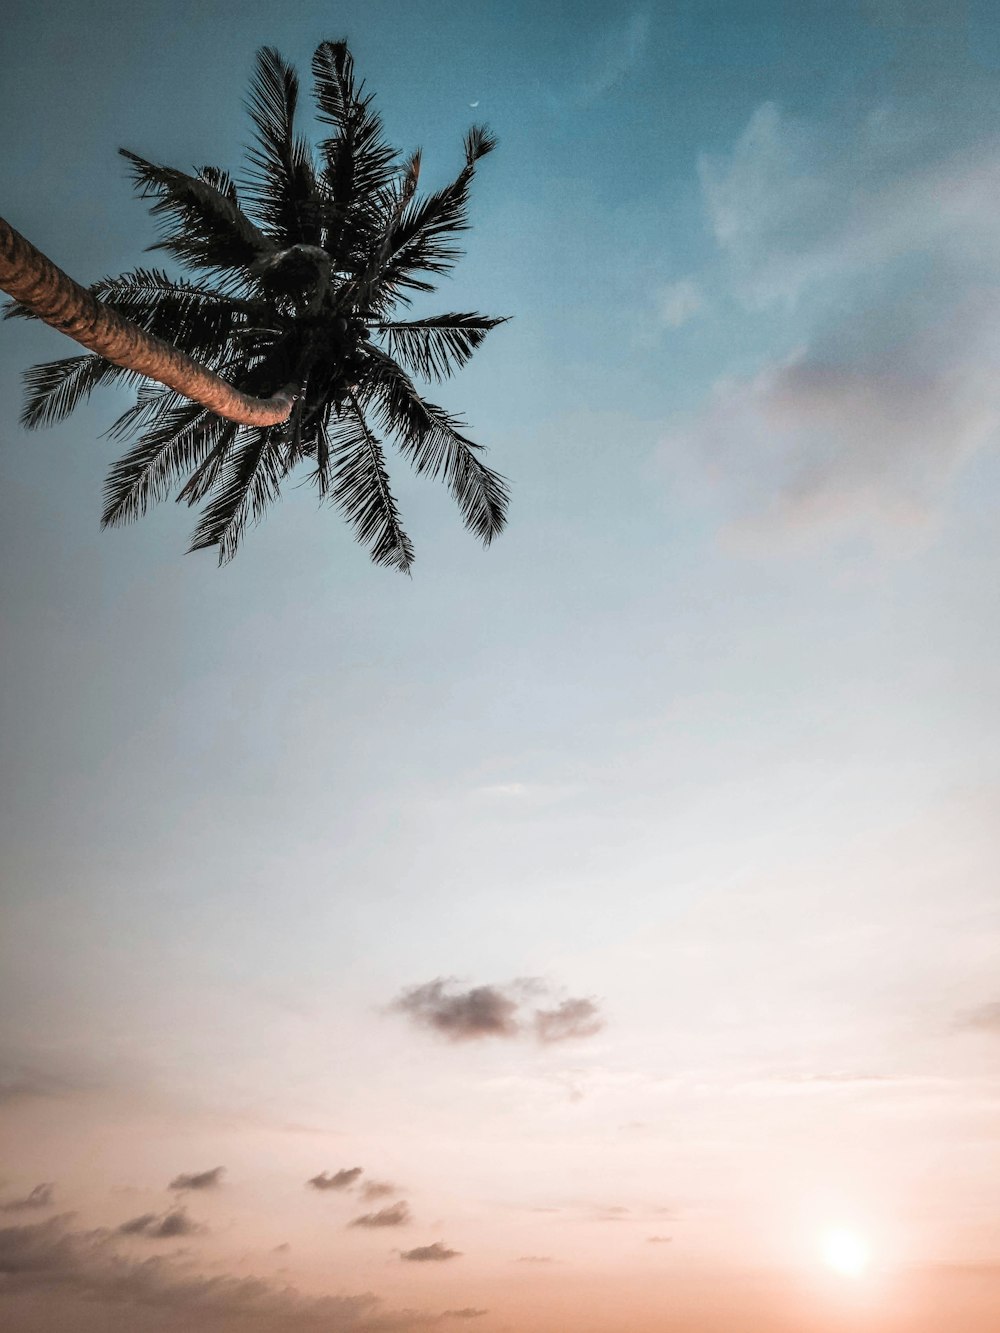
(52,295)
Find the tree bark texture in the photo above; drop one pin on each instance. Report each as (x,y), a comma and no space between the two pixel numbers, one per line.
(52,295)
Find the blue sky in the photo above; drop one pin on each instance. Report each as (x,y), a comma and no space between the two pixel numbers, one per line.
(707,738)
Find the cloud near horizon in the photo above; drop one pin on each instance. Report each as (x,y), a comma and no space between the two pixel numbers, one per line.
(52,1258)
(484,1012)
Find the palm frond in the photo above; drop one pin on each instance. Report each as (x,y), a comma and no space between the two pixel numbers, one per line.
(198,319)
(358,481)
(206,475)
(430,438)
(202,226)
(359,165)
(15,310)
(172,447)
(54,388)
(479,140)
(153,401)
(421,239)
(281,184)
(220,180)
(435,348)
(249,480)
(390,204)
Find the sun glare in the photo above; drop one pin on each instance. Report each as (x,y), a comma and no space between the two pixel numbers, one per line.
(845,1252)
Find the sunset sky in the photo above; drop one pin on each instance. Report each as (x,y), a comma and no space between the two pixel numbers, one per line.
(595,933)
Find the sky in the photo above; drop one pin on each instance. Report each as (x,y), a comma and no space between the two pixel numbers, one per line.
(597,931)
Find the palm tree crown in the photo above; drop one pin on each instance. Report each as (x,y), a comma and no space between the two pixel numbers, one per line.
(298,274)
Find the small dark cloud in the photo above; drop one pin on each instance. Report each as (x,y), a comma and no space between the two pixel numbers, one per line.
(466,1312)
(163,1226)
(658,1240)
(435,1253)
(984,1019)
(614,1212)
(378,1189)
(396,1215)
(567,1021)
(198,1180)
(498,1011)
(40,1197)
(283,1248)
(340,1180)
(535,1259)
(483,1011)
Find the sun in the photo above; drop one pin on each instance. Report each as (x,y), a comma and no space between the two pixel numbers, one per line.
(846,1252)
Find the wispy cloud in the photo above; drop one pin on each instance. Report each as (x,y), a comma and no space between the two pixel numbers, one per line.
(986,1018)
(623,46)
(378,1189)
(679,302)
(20,1082)
(888,267)
(569,1020)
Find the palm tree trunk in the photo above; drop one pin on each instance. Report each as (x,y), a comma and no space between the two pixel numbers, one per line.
(52,295)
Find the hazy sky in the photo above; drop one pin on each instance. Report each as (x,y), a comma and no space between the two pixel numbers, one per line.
(574,935)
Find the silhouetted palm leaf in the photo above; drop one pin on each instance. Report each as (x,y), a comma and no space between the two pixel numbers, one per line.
(360,486)
(165,453)
(202,226)
(432,441)
(435,348)
(54,388)
(281,187)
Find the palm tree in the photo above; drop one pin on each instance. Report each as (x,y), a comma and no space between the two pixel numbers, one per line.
(299,276)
